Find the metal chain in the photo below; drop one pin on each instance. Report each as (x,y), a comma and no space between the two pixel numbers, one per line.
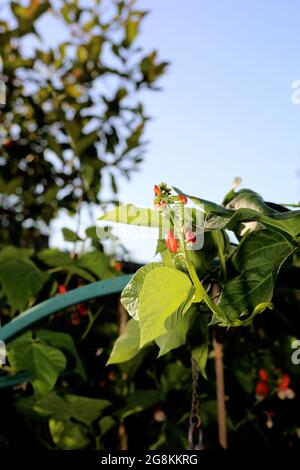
(195,435)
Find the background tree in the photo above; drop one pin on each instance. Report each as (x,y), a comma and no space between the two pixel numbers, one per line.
(72,110)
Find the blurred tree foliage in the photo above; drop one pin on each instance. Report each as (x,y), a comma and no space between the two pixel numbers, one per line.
(72,110)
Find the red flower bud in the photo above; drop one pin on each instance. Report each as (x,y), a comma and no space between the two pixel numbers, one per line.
(182,198)
(171,242)
(82,310)
(263,375)
(261,390)
(190,237)
(284,382)
(61,289)
(157,191)
(75,319)
(118,266)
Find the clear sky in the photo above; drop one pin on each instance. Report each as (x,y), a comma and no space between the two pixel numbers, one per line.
(226,106)
(225,109)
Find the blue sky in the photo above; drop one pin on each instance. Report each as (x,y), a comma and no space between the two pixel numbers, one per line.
(225,109)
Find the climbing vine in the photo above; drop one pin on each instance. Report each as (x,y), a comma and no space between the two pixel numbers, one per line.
(229,280)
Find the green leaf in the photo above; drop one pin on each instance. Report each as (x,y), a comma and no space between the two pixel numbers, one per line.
(85,409)
(132,28)
(86,141)
(78,271)
(68,435)
(82,54)
(91,232)
(200,355)
(9,253)
(132,215)
(258,261)
(130,295)
(248,199)
(21,281)
(127,345)
(53,257)
(43,363)
(248,206)
(175,337)
(30,13)
(106,424)
(97,263)
(164,292)
(63,262)
(66,343)
(70,236)
(207,206)
(82,409)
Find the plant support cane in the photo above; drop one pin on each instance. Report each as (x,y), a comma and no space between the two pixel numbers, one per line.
(122,320)
(220,387)
(219,369)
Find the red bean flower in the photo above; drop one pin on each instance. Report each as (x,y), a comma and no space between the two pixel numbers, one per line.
(284,391)
(171,242)
(117,266)
(261,390)
(82,310)
(75,319)
(182,198)
(157,191)
(263,375)
(61,289)
(190,237)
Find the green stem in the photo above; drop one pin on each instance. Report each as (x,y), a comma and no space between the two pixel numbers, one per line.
(200,290)
(218,238)
(92,320)
(290,205)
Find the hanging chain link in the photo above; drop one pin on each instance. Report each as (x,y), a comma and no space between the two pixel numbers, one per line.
(195,435)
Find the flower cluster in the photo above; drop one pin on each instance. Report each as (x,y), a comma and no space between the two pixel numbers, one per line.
(282,386)
(80,310)
(172,242)
(163,197)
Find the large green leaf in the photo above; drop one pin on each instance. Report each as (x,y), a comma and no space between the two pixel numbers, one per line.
(131,215)
(21,281)
(127,345)
(248,206)
(287,223)
(43,363)
(66,343)
(207,206)
(130,295)
(248,199)
(258,261)
(164,292)
(82,409)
